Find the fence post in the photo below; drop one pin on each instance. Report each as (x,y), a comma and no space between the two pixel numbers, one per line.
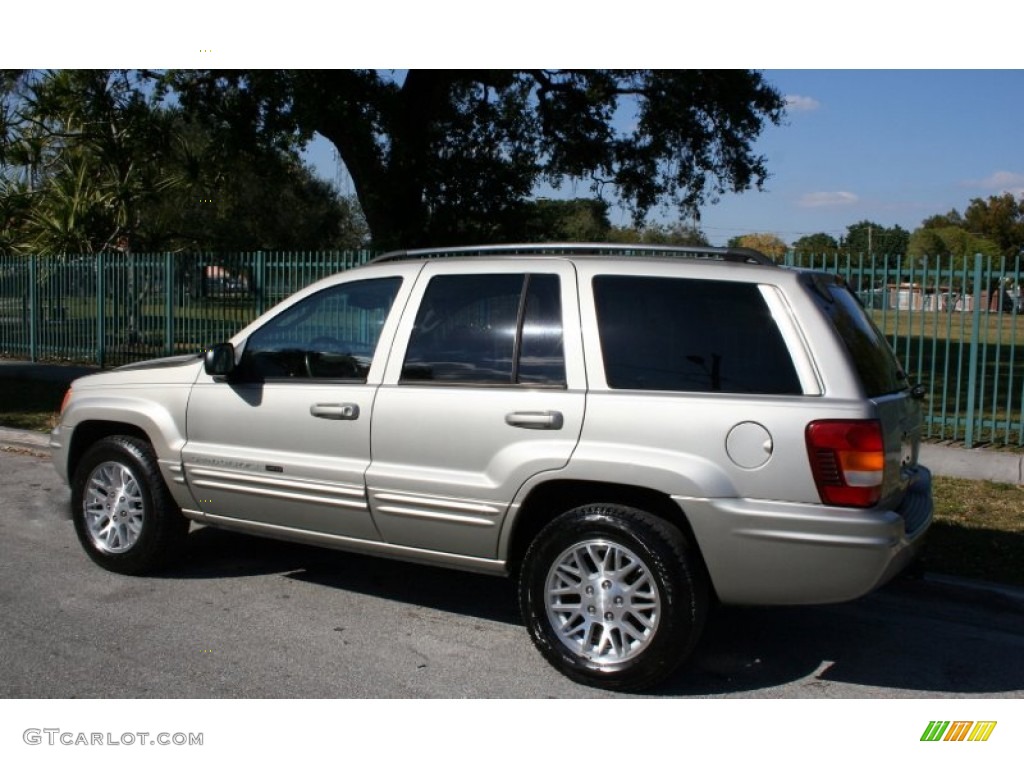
(168,304)
(33,306)
(261,285)
(972,374)
(101,310)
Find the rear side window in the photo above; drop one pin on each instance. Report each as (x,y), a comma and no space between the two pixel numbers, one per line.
(690,336)
(488,329)
(877,367)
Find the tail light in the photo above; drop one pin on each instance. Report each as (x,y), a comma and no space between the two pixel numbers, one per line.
(847,460)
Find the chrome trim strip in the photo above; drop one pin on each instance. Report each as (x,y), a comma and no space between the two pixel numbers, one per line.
(175,470)
(344,496)
(277,482)
(280,494)
(425,501)
(432,515)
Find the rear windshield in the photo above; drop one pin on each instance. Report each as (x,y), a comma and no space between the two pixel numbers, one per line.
(879,371)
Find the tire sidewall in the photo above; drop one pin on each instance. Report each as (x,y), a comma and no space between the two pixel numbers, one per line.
(659,546)
(132,454)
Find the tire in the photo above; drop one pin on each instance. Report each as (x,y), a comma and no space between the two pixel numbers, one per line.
(124,515)
(639,579)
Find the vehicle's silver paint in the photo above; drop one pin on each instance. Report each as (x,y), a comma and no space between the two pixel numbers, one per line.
(440,474)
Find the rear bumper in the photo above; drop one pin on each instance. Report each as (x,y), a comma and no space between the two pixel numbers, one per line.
(778,553)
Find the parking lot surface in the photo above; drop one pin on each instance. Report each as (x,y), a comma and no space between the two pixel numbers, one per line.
(243,617)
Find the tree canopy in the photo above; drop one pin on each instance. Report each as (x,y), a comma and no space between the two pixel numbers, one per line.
(870,237)
(440,157)
(999,219)
(90,160)
(767,243)
(817,243)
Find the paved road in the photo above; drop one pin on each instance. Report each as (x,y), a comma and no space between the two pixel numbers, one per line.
(242,617)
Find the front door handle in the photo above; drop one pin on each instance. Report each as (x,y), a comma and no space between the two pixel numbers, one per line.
(336,411)
(535,419)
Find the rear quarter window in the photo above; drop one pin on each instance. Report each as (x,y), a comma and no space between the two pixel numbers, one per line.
(876,365)
(689,335)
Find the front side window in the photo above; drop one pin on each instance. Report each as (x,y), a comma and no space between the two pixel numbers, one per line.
(330,335)
(488,329)
(690,336)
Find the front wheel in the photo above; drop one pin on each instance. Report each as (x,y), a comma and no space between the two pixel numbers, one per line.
(124,515)
(613,596)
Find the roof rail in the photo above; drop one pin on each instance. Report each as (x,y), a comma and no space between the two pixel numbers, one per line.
(739,255)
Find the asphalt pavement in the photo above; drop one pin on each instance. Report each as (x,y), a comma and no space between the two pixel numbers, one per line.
(238,616)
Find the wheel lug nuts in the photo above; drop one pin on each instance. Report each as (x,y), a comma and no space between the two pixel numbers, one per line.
(606,584)
(618,601)
(591,609)
(608,616)
(589,590)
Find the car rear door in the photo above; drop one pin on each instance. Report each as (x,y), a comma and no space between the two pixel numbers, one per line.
(485,388)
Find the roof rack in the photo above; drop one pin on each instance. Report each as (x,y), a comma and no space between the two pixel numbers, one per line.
(738,255)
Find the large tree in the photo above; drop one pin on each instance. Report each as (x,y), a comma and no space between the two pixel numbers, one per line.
(869,238)
(677,233)
(90,160)
(1000,219)
(440,157)
(946,247)
(769,244)
(816,244)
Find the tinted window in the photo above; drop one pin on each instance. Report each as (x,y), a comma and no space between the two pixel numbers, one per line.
(541,359)
(690,336)
(330,335)
(879,370)
(488,329)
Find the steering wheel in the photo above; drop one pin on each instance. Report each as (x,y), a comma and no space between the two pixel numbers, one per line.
(328,344)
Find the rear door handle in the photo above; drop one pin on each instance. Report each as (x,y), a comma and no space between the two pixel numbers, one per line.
(535,419)
(336,411)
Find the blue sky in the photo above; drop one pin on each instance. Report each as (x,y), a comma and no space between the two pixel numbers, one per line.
(890,146)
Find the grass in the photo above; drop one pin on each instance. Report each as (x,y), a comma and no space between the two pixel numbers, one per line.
(28,404)
(978,531)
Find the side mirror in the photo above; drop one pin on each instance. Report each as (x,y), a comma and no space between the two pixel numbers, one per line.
(219,359)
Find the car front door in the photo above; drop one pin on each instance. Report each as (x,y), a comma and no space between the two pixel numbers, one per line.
(285,441)
(485,388)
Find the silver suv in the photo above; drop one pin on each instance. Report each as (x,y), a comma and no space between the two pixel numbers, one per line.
(631,433)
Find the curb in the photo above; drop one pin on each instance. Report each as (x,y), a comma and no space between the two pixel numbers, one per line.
(24,438)
(973,463)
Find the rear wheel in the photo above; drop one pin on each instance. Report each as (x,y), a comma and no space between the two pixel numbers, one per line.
(124,515)
(613,596)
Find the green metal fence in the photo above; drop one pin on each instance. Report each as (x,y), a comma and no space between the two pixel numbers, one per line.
(111,309)
(957,324)
(958,327)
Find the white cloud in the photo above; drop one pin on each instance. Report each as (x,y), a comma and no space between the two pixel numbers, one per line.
(825,199)
(795,103)
(1001,181)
